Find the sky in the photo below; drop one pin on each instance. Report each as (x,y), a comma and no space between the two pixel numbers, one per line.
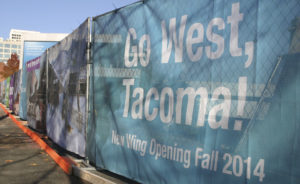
(51,16)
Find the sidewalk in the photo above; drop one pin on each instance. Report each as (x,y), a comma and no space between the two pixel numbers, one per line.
(22,161)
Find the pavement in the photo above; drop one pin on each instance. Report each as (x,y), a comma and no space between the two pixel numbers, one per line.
(32,158)
(22,161)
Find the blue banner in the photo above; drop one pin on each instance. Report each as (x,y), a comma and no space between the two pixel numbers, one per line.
(31,50)
(197,92)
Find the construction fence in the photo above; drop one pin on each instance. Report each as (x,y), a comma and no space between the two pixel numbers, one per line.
(175,91)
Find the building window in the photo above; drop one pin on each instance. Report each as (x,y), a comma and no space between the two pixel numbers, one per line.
(7,56)
(6,50)
(16,36)
(19,46)
(13,51)
(14,46)
(1,55)
(7,45)
(1,50)
(1,45)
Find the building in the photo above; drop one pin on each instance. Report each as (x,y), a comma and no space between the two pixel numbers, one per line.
(16,40)
(24,35)
(7,47)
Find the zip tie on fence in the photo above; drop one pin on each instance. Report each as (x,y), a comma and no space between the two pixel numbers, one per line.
(61,161)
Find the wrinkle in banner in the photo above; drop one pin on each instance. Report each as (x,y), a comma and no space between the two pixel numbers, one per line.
(66,116)
(197,92)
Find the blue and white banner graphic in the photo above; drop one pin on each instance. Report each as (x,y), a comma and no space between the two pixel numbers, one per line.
(197,92)
(32,49)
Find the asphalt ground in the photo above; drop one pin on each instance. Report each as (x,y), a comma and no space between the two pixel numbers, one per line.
(22,161)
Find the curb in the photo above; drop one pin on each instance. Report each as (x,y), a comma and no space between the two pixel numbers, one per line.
(90,174)
(90,177)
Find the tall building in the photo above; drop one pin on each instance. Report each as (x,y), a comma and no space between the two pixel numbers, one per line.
(16,40)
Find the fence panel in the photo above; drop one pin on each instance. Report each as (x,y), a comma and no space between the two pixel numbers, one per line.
(11,92)
(7,87)
(66,106)
(16,92)
(197,92)
(36,92)
(2,96)
(32,49)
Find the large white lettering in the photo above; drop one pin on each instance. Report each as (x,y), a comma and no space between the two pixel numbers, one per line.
(194,41)
(137,52)
(218,114)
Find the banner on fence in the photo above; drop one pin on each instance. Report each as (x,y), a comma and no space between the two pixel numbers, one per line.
(32,49)
(11,92)
(66,106)
(16,92)
(7,87)
(2,91)
(193,92)
(36,92)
